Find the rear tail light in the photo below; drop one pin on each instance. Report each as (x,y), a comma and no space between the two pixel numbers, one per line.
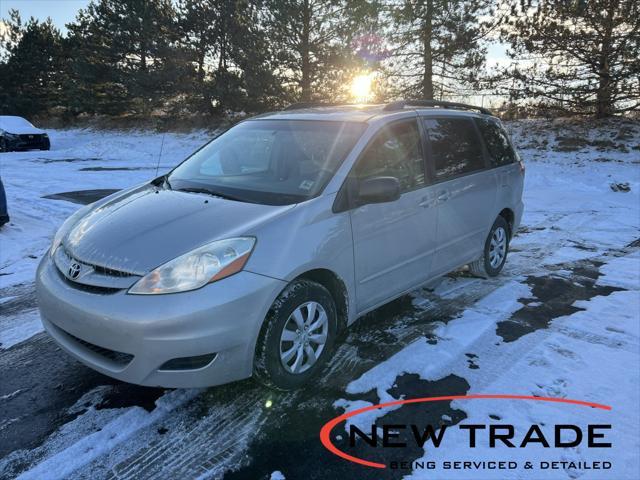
(521,166)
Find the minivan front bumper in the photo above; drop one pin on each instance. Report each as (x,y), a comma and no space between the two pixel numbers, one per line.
(152,339)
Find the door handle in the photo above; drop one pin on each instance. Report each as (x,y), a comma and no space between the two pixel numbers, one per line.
(425,202)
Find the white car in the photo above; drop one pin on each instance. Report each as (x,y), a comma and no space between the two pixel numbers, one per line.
(17,133)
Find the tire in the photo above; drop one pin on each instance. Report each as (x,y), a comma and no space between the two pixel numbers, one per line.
(291,309)
(492,261)
(3,145)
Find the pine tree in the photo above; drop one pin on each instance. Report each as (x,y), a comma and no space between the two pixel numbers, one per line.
(126,53)
(313,39)
(582,55)
(230,55)
(255,55)
(31,75)
(437,45)
(198,20)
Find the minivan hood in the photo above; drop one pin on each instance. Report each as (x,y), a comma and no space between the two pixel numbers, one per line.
(140,229)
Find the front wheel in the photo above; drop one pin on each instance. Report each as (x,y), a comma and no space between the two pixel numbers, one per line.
(495,251)
(297,337)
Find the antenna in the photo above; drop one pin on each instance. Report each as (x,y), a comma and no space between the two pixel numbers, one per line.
(160,155)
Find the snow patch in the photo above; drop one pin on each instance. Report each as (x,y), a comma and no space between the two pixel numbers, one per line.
(18,328)
(115,432)
(622,272)
(453,340)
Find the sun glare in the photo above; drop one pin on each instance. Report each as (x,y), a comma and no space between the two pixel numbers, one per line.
(361,87)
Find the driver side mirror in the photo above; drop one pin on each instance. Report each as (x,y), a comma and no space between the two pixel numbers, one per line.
(378,190)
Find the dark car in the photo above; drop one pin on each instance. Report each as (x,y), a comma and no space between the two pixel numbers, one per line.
(16,133)
(4,213)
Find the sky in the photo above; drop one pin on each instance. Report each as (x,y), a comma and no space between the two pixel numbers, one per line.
(60,11)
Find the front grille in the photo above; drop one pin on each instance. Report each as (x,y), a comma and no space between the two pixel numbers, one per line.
(87,288)
(120,358)
(111,272)
(91,278)
(32,140)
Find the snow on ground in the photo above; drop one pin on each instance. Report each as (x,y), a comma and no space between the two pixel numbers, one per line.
(113,433)
(576,359)
(621,272)
(584,350)
(19,327)
(78,160)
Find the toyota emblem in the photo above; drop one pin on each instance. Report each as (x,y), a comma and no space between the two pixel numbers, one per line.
(74,270)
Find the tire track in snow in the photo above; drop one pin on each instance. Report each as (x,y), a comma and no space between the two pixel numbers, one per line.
(117,431)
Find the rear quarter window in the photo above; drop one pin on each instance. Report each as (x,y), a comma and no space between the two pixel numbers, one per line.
(497,142)
(455,147)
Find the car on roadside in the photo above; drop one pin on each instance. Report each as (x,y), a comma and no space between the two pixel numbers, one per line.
(17,133)
(4,211)
(251,256)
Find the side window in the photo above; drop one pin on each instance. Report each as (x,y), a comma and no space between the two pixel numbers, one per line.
(396,152)
(455,146)
(497,142)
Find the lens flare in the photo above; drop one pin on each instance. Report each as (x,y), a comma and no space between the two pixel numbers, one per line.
(361,87)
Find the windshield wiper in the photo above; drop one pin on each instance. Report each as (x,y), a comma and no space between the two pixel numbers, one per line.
(209,192)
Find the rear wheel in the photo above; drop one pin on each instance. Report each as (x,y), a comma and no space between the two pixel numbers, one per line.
(495,252)
(297,337)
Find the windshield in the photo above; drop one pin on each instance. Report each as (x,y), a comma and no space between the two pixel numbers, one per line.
(275,162)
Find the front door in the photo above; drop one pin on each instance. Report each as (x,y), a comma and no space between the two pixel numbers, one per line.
(393,242)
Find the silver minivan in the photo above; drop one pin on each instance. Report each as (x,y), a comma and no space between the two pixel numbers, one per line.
(254,253)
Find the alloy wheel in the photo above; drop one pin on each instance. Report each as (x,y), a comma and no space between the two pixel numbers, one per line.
(303,337)
(497,247)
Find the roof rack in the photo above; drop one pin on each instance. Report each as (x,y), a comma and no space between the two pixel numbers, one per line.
(301,105)
(400,104)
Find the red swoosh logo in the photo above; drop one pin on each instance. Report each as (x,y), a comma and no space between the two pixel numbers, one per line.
(328,427)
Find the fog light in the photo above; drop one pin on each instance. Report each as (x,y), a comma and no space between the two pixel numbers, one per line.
(188,363)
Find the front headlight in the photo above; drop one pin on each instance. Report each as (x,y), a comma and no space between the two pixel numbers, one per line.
(57,240)
(66,226)
(205,264)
